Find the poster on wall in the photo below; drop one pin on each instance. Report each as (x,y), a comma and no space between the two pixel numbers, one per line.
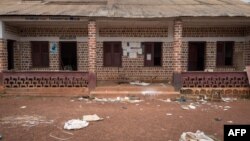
(53,48)
(148,57)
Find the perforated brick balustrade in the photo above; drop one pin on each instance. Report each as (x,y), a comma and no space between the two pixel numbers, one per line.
(214,79)
(44,79)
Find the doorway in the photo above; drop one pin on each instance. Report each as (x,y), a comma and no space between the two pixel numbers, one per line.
(196,56)
(10,50)
(68,56)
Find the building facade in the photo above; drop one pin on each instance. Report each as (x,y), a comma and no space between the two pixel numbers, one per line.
(120,47)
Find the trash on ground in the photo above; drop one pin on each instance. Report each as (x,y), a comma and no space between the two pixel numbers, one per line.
(165,100)
(188,107)
(169,114)
(62,135)
(26,120)
(75,124)
(123,107)
(119,99)
(184,107)
(229,121)
(91,118)
(1,136)
(228,99)
(182,99)
(107,117)
(149,93)
(198,136)
(191,106)
(139,83)
(227,107)
(23,107)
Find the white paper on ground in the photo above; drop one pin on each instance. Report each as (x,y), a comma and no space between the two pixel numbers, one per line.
(75,124)
(198,136)
(91,118)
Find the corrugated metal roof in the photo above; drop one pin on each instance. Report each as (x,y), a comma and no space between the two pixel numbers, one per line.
(126,8)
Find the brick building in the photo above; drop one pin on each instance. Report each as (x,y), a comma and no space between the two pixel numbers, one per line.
(62,43)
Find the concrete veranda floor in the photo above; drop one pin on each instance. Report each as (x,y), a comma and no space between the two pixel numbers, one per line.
(148,120)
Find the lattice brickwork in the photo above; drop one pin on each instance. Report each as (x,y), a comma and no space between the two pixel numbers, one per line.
(44,79)
(133,32)
(214,79)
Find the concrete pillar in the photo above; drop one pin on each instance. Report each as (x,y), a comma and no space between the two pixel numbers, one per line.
(177,46)
(92,53)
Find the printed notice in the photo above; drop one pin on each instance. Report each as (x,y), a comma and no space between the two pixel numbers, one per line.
(148,57)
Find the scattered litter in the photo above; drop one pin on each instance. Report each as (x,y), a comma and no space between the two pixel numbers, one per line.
(158,105)
(137,104)
(62,138)
(139,83)
(218,119)
(198,136)
(123,107)
(107,117)
(91,118)
(182,99)
(72,100)
(119,99)
(184,107)
(23,107)
(191,106)
(227,107)
(169,114)
(26,120)
(188,107)
(229,121)
(228,99)
(75,124)
(149,93)
(180,116)
(1,136)
(165,100)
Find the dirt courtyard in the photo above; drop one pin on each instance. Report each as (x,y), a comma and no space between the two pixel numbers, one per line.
(43,118)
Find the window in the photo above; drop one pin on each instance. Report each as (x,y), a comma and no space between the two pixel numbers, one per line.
(152,53)
(224,53)
(40,54)
(112,54)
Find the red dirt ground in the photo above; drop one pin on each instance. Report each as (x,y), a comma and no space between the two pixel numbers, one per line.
(145,121)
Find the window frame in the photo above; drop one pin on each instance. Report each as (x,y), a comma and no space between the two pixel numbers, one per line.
(225,45)
(153,46)
(40,63)
(113,53)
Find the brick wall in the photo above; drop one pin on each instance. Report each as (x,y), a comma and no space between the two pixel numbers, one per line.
(210,57)
(133,32)
(177,64)
(133,68)
(247,53)
(3,55)
(82,56)
(214,31)
(23,60)
(92,46)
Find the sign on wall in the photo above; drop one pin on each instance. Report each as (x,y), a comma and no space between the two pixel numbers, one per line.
(53,48)
(131,49)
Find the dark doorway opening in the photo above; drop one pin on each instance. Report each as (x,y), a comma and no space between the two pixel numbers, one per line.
(196,56)
(68,55)
(10,50)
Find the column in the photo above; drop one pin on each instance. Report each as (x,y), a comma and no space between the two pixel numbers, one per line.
(92,54)
(177,46)
(177,63)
